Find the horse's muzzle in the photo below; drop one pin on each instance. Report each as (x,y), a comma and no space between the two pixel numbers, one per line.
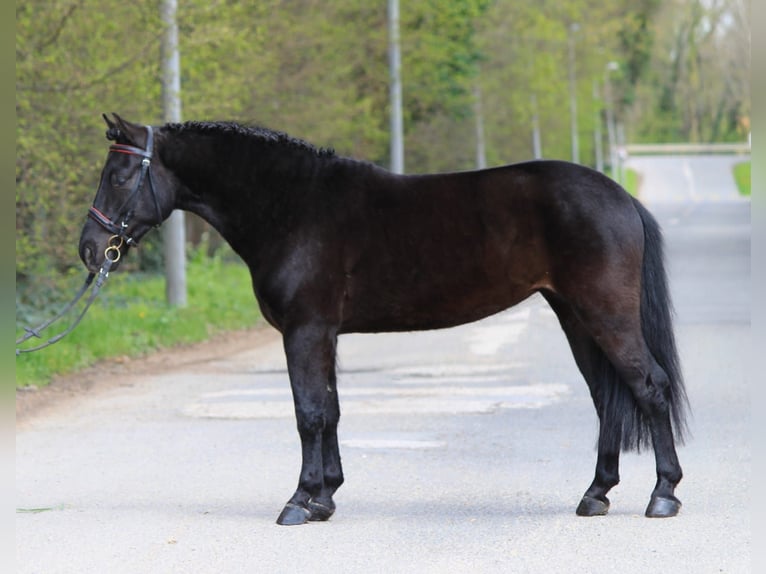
(94,256)
(88,254)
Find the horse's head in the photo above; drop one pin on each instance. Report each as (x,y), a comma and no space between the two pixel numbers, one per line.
(132,197)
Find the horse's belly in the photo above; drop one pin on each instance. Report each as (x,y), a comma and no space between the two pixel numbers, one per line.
(439,308)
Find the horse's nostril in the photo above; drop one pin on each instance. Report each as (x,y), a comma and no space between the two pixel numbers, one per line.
(86,254)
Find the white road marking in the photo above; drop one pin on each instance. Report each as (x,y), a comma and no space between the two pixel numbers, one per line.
(391,443)
(371,400)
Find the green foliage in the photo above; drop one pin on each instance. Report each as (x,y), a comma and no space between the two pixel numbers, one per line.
(697,88)
(441,57)
(131,318)
(631,182)
(742,177)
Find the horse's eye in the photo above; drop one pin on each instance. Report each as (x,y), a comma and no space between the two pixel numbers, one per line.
(118,180)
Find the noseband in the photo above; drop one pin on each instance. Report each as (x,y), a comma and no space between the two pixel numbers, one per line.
(126,212)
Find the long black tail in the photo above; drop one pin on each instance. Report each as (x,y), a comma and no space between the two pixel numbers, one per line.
(621,418)
(657,319)
(622,412)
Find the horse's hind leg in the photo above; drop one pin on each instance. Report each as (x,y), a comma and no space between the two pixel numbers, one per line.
(597,371)
(647,408)
(310,352)
(651,388)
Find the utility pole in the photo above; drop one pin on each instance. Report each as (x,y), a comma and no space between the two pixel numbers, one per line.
(620,153)
(610,130)
(481,154)
(597,137)
(537,142)
(573,92)
(395,69)
(173,230)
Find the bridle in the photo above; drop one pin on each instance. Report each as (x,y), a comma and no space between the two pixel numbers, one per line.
(127,210)
(112,252)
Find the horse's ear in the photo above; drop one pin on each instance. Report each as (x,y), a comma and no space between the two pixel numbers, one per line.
(125,132)
(112,132)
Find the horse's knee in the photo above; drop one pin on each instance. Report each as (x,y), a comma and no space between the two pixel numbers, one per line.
(311,417)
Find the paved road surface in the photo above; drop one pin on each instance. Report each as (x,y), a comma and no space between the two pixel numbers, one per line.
(686,178)
(465,450)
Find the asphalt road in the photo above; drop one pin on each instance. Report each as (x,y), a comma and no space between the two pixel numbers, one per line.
(465,450)
(689,178)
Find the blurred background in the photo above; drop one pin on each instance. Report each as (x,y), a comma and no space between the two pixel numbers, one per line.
(483,83)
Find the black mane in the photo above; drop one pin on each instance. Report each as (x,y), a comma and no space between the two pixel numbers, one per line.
(254,133)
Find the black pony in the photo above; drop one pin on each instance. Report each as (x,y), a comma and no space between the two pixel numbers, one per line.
(335,245)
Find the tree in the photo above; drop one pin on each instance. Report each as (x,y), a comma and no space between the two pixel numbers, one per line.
(699,81)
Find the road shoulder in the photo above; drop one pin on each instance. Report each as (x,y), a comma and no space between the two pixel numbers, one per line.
(35,402)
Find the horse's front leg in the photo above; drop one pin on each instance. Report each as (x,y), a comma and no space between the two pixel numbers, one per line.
(310,351)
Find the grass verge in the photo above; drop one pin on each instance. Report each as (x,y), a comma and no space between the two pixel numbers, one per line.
(631,181)
(742,177)
(131,318)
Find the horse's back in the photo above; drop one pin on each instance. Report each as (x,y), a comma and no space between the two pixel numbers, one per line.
(440,250)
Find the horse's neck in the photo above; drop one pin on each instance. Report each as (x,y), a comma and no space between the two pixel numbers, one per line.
(249,205)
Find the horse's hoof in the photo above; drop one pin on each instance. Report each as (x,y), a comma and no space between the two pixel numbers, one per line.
(590,506)
(293,515)
(320,512)
(663,507)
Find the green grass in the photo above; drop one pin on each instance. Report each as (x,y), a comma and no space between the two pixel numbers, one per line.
(131,318)
(742,177)
(631,181)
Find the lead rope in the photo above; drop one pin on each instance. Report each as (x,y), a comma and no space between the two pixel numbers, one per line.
(112,255)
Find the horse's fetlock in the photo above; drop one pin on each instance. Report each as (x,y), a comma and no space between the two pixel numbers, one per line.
(333,480)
